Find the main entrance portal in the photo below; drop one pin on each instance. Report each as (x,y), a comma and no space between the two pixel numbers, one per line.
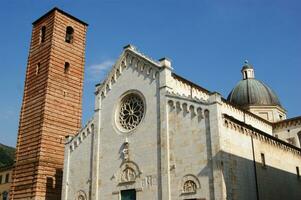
(128,195)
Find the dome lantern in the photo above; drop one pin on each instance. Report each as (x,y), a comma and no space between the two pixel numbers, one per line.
(247,71)
(255,96)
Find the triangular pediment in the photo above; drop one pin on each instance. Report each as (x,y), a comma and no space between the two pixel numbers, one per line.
(130,57)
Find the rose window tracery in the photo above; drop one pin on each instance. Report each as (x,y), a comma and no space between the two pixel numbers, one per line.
(131,112)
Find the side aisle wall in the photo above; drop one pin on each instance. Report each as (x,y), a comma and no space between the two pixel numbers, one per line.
(78,164)
(194,143)
(255,166)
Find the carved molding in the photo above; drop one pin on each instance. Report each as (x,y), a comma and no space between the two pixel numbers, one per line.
(287,123)
(81,135)
(186,108)
(136,61)
(228,123)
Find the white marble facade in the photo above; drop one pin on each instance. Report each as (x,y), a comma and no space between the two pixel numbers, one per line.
(162,137)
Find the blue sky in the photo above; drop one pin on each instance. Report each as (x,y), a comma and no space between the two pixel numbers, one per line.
(207,40)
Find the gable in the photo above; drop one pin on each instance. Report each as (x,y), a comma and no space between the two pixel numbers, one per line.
(130,57)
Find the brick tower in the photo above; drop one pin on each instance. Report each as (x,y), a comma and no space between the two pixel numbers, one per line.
(52,104)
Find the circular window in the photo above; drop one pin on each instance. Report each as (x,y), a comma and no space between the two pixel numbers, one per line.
(131,111)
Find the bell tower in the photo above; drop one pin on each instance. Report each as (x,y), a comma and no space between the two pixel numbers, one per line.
(51,106)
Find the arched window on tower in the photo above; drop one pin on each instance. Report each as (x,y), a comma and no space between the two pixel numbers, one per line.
(38,68)
(66,68)
(42,34)
(69,34)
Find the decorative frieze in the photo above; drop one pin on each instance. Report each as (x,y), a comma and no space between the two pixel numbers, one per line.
(129,58)
(185,108)
(237,126)
(245,114)
(80,137)
(287,123)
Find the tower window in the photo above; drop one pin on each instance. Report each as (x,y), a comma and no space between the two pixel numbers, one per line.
(6,178)
(66,68)
(42,34)
(298,172)
(38,68)
(64,93)
(69,34)
(263,160)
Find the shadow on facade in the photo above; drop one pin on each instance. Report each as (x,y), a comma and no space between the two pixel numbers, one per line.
(249,180)
(54,186)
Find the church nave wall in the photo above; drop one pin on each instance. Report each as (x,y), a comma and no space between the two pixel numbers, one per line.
(257,164)
(189,170)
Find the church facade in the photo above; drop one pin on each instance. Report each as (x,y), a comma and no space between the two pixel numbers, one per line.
(156,135)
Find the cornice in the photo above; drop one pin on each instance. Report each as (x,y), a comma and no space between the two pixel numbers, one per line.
(287,123)
(234,124)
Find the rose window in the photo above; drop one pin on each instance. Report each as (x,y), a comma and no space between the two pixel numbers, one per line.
(131,111)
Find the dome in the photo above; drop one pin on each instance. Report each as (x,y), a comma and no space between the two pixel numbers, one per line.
(250,91)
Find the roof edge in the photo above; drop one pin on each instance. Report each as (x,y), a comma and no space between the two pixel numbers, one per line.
(191,83)
(261,132)
(61,11)
(298,118)
(246,111)
(6,168)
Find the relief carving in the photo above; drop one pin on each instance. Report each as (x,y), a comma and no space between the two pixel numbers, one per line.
(128,175)
(128,172)
(189,187)
(189,184)
(81,195)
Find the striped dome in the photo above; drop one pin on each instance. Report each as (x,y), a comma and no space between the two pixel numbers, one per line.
(250,91)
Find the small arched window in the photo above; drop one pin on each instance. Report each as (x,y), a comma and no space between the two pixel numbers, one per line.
(246,75)
(66,68)
(42,34)
(38,68)
(6,178)
(69,34)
